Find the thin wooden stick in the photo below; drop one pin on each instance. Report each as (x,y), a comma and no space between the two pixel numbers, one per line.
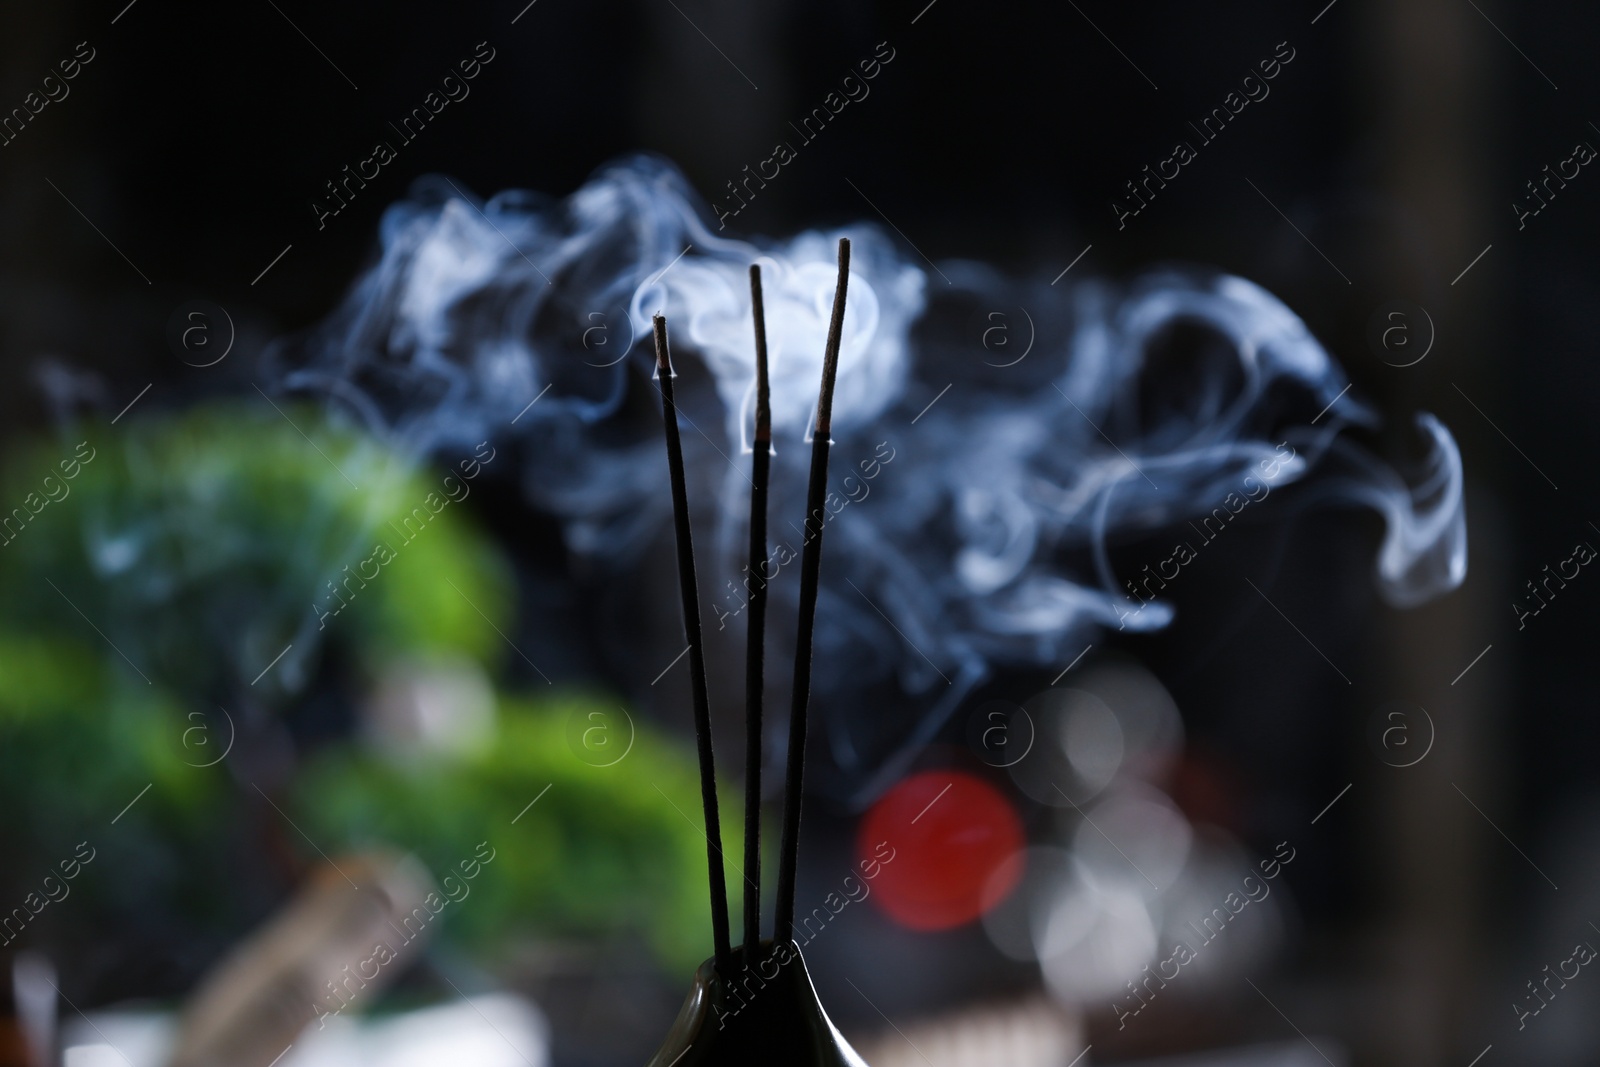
(810,571)
(755,654)
(697,664)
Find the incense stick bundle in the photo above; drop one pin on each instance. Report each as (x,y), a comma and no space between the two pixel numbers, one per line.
(756,635)
(690,595)
(810,572)
(810,576)
(783,1024)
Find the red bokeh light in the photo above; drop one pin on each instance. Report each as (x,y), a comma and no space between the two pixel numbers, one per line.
(950,832)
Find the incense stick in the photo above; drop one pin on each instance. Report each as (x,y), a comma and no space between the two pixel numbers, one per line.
(755,654)
(810,571)
(697,663)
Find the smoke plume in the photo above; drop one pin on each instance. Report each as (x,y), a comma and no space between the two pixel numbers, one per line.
(978,476)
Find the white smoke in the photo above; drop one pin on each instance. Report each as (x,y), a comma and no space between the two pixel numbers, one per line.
(709,296)
(982,543)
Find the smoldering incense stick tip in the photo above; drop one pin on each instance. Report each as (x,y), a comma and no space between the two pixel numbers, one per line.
(830,354)
(763,388)
(663,360)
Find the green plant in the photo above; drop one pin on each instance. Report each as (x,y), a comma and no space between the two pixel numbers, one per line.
(201,547)
(266,565)
(605,850)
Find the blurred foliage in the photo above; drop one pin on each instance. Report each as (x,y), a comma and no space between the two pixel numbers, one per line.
(201,546)
(604,849)
(154,571)
(78,749)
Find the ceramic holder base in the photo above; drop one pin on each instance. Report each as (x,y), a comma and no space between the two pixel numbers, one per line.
(767,1014)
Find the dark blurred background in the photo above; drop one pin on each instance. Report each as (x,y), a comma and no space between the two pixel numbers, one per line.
(1395,143)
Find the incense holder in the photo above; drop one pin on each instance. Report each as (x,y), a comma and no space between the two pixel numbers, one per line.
(767,1014)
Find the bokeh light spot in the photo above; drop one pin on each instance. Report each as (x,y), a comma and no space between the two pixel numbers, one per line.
(952,833)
